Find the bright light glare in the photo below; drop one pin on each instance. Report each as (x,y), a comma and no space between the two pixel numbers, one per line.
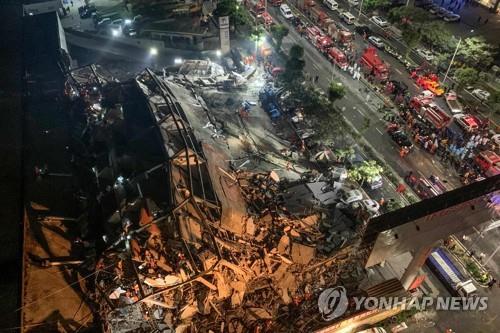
(115,32)
(262,39)
(128,21)
(153,51)
(218,53)
(178,61)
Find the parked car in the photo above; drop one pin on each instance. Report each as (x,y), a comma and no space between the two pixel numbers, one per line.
(86,11)
(348,17)
(103,23)
(348,197)
(434,9)
(376,41)
(451,17)
(380,21)
(332,4)
(286,12)
(483,95)
(401,139)
(353,3)
(363,29)
(426,54)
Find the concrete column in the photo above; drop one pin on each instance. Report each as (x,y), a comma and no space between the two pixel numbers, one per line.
(419,257)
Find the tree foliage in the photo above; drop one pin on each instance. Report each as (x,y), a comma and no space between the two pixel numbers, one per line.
(293,75)
(437,36)
(476,52)
(408,16)
(237,14)
(466,76)
(336,91)
(366,171)
(374,4)
(412,38)
(279,31)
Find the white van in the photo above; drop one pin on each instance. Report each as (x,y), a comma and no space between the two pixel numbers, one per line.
(286,12)
(332,4)
(348,18)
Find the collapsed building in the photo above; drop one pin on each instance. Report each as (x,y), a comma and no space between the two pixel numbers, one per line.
(188,244)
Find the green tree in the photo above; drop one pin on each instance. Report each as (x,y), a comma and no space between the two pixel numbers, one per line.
(336,91)
(465,76)
(408,16)
(368,171)
(476,52)
(293,75)
(257,33)
(237,14)
(374,4)
(412,38)
(437,35)
(494,102)
(279,31)
(343,154)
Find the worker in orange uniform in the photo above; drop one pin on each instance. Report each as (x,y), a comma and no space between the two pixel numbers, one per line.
(401,188)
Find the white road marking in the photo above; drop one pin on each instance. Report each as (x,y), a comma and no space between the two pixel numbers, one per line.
(379,131)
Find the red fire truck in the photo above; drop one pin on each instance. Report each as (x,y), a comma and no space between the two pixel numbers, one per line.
(257,7)
(488,162)
(426,188)
(340,36)
(371,63)
(338,57)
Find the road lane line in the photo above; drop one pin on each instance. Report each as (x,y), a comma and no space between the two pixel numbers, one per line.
(379,131)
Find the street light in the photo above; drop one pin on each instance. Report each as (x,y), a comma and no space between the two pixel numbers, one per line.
(178,61)
(153,51)
(360,6)
(453,58)
(218,53)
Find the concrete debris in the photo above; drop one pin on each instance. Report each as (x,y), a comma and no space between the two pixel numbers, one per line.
(211,249)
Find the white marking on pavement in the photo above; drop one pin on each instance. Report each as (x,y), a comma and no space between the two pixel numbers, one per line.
(379,131)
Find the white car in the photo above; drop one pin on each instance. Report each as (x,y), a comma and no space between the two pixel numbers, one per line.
(371,206)
(481,94)
(376,41)
(353,3)
(348,197)
(381,22)
(104,22)
(332,4)
(426,54)
(286,12)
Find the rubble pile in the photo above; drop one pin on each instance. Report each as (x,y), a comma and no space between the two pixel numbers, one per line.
(266,279)
(191,246)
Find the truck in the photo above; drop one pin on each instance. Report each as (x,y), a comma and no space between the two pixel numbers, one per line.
(337,57)
(305,5)
(317,15)
(256,7)
(323,43)
(371,63)
(426,188)
(341,36)
(446,271)
(451,99)
(313,32)
(434,115)
(488,162)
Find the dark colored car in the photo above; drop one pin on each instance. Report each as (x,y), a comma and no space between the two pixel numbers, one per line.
(401,138)
(86,11)
(363,29)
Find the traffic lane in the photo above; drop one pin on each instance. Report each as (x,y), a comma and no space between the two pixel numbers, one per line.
(356,108)
(486,242)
